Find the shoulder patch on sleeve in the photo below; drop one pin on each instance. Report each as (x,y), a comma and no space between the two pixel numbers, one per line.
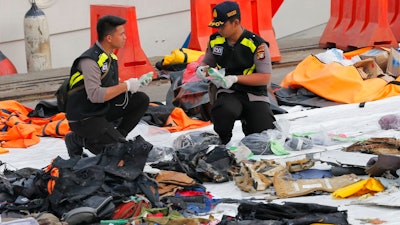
(261,52)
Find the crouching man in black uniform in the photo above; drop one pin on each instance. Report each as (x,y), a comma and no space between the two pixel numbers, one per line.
(242,92)
(100,109)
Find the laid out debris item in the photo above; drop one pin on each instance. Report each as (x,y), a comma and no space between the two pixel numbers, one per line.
(241,153)
(178,59)
(390,121)
(267,142)
(256,176)
(47,218)
(299,165)
(383,163)
(191,201)
(299,143)
(362,187)
(202,163)
(19,130)
(292,213)
(286,187)
(312,74)
(373,221)
(83,189)
(132,207)
(341,170)
(312,174)
(27,221)
(376,146)
(340,158)
(390,197)
(195,138)
(86,214)
(192,97)
(169,182)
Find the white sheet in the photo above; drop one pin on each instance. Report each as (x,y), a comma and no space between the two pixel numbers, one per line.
(348,119)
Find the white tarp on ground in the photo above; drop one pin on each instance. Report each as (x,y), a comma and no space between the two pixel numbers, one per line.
(350,120)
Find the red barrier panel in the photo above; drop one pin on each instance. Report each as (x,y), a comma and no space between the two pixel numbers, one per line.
(275,4)
(327,39)
(132,61)
(255,17)
(394,18)
(372,25)
(6,66)
(356,24)
(340,21)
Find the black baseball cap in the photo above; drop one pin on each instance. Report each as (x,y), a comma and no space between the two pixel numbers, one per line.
(222,12)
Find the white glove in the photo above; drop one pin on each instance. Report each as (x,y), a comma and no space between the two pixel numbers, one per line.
(201,72)
(146,78)
(228,81)
(132,85)
(218,78)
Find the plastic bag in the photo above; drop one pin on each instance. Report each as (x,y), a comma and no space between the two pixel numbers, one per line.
(336,55)
(298,143)
(196,138)
(391,121)
(160,154)
(217,76)
(258,143)
(265,143)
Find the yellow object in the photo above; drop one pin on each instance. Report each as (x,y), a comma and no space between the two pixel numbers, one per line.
(349,55)
(3,150)
(370,185)
(182,55)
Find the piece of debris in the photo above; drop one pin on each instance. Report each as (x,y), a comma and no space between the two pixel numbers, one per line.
(373,221)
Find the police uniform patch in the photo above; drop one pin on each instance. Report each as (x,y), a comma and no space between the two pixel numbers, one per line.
(104,68)
(218,50)
(261,52)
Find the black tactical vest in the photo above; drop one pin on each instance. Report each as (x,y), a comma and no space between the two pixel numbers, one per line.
(238,59)
(79,106)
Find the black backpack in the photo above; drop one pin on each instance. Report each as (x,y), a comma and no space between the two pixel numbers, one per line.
(62,95)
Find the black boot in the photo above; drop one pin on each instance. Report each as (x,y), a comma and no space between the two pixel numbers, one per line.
(74,145)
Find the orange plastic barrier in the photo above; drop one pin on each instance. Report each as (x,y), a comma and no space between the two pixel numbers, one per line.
(335,25)
(255,17)
(358,23)
(6,66)
(394,18)
(132,61)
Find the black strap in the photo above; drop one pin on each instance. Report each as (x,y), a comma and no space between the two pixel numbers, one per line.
(44,130)
(394,82)
(57,131)
(185,54)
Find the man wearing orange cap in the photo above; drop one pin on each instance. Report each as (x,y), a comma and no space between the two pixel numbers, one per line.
(242,90)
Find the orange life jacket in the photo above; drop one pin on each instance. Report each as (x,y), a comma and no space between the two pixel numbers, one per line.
(178,121)
(18,130)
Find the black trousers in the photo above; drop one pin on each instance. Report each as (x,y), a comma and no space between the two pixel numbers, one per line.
(115,125)
(256,116)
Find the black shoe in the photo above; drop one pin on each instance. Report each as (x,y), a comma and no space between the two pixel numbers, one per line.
(74,145)
(224,140)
